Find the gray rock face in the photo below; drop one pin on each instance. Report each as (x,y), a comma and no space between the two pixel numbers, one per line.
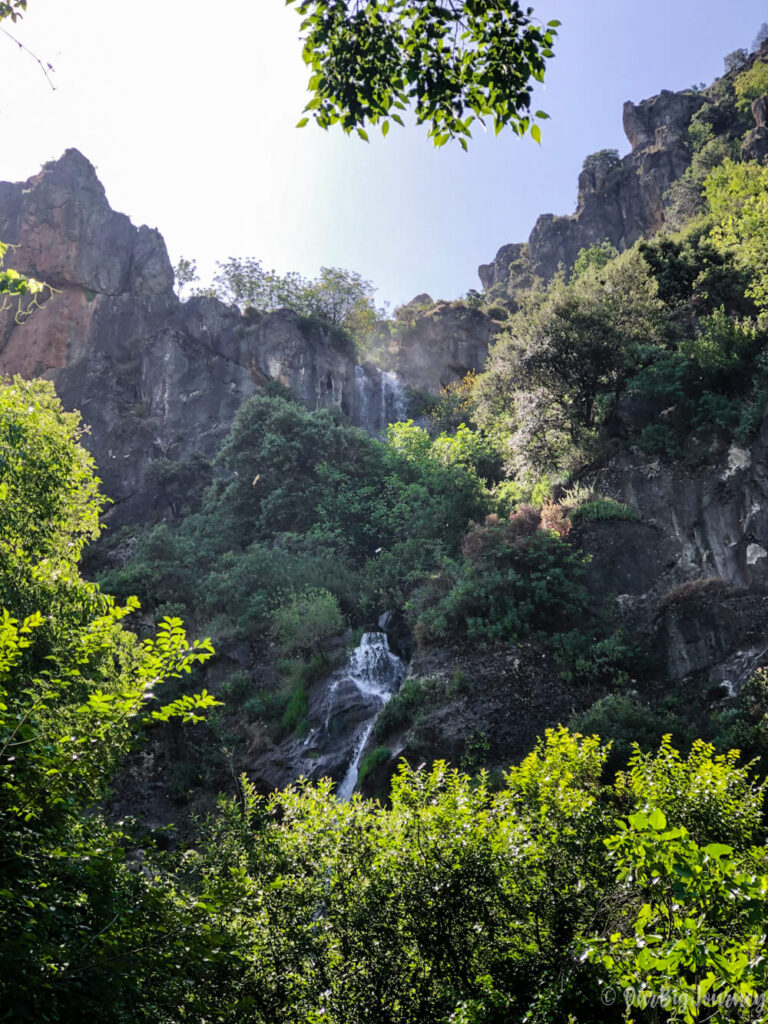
(497,272)
(152,376)
(155,377)
(755,145)
(692,577)
(623,203)
(620,200)
(760,111)
(443,345)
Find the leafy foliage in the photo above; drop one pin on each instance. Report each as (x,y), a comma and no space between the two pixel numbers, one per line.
(661,346)
(17,289)
(516,579)
(751,83)
(454,903)
(73,688)
(564,361)
(454,62)
(303,621)
(601,509)
(340,298)
(595,257)
(693,946)
(305,504)
(735,60)
(738,197)
(12,9)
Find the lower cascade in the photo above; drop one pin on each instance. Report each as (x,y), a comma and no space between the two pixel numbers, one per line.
(341,715)
(377,673)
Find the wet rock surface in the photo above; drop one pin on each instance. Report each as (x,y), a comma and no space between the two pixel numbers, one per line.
(341,713)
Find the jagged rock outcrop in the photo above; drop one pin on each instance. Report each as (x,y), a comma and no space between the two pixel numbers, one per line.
(156,377)
(497,272)
(153,376)
(622,199)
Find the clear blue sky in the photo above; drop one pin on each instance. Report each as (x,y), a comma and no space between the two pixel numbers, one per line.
(187,110)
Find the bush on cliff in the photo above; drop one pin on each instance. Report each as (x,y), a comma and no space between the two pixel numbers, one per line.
(515,580)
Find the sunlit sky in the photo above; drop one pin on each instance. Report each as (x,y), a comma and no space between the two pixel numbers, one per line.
(187,109)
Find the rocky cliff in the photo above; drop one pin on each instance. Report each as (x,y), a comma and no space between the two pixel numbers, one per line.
(623,199)
(156,377)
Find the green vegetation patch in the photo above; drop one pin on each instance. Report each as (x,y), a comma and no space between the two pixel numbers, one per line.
(603,509)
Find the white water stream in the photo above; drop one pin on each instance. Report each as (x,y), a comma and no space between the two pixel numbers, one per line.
(377,673)
(380,399)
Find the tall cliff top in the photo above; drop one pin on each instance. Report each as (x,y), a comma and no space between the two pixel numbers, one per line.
(623,199)
(68,235)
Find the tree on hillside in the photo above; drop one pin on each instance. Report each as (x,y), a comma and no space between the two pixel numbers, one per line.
(340,298)
(558,370)
(74,685)
(454,62)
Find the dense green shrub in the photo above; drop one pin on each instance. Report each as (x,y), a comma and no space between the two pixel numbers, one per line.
(304,621)
(524,915)
(307,503)
(624,720)
(684,199)
(751,84)
(594,660)
(509,588)
(594,257)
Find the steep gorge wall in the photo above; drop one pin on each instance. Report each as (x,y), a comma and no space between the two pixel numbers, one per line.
(156,377)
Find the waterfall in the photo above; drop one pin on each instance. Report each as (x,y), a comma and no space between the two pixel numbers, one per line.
(376,673)
(341,714)
(380,399)
(363,395)
(394,402)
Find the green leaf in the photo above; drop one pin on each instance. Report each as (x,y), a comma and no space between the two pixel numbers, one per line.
(716,850)
(536,133)
(657,820)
